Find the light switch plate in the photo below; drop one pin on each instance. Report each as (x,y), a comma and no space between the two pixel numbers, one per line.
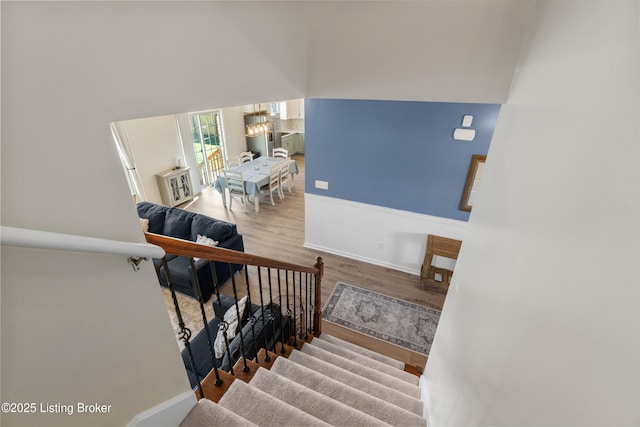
(466,121)
(323,185)
(464,134)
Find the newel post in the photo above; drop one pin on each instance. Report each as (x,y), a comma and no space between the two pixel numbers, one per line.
(317,309)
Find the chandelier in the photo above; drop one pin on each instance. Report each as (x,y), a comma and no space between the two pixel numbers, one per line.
(256,129)
(259,128)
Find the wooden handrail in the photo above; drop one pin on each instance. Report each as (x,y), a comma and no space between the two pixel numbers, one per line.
(317,310)
(175,246)
(214,383)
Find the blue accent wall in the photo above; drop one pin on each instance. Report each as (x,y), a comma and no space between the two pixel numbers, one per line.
(395,154)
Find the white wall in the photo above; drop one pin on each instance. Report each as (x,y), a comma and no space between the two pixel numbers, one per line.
(374,234)
(155,145)
(540,326)
(87,64)
(233,130)
(447,51)
(88,328)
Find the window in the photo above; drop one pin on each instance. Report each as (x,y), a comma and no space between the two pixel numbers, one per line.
(207,144)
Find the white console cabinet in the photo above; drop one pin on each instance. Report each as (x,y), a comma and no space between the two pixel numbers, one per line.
(175,186)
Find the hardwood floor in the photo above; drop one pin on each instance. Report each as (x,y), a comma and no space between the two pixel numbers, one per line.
(278,232)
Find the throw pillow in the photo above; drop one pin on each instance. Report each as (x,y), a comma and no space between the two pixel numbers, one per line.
(204,240)
(231,317)
(144,223)
(214,228)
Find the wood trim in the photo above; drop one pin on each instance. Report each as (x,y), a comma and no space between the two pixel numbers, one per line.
(317,309)
(239,373)
(212,391)
(415,370)
(440,246)
(468,185)
(187,248)
(182,247)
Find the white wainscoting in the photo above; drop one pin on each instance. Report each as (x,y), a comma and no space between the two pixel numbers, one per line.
(374,234)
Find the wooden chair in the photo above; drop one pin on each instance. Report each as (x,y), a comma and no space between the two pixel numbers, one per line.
(285,177)
(274,183)
(439,246)
(280,153)
(232,163)
(235,187)
(245,156)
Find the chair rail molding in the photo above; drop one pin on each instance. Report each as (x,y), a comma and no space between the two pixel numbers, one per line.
(378,235)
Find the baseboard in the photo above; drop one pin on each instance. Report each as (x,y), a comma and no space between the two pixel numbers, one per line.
(169,413)
(377,235)
(423,396)
(415,272)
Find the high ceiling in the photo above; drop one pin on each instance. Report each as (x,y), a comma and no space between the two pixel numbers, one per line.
(457,51)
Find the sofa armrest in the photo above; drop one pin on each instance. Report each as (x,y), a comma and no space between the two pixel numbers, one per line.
(234,242)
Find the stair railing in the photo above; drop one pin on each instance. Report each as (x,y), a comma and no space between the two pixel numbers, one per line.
(289,308)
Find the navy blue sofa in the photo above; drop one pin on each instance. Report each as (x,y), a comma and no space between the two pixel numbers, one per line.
(269,326)
(176,222)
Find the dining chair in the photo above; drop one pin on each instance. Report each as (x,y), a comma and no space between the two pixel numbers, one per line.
(245,157)
(232,163)
(280,153)
(274,183)
(235,187)
(285,177)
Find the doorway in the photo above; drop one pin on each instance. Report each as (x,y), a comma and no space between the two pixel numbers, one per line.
(206,133)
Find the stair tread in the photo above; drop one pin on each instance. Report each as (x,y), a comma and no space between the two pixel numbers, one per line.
(381,391)
(366,361)
(238,370)
(327,381)
(362,350)
(263,409)
(212,391)
(261,355)
(345,393)
(364,371)
(205,412)
(311,402)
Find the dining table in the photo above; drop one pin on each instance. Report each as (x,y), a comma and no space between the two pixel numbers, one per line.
(255,175)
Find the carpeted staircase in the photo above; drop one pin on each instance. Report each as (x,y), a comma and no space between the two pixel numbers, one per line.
(328,382)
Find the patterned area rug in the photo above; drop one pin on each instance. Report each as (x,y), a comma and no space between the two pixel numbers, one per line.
(389,319)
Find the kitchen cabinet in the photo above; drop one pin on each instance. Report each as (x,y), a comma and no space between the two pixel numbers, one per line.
(292,109)
(293,143)
(298,143)
(175,186)
(256,108)
(287,142)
